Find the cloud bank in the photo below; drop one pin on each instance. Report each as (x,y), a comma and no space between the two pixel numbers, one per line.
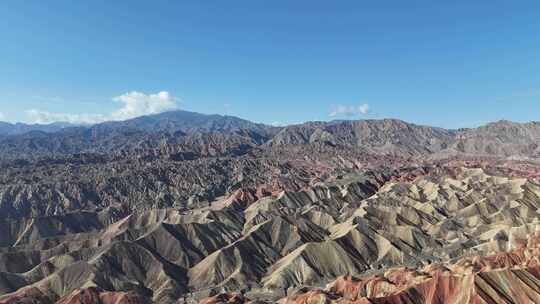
(133,104)
(349,111)
(44,117)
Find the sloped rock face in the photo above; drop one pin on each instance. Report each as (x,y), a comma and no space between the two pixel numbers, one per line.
(93,295)
(163,255)
(90,295)
(509,277)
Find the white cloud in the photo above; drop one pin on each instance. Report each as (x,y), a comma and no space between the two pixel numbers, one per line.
(348,111)
(133,103)
(2,116)
(138,104)
(44,117)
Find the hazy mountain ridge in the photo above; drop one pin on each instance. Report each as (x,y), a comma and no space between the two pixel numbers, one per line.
(387,136)
(394,136)
(147,132)
(7,128)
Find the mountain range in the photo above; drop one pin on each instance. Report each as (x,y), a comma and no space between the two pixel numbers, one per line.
(21,128)
(180,206)
(387,136)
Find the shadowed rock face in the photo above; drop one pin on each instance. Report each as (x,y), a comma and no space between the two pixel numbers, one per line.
(93,295)
(90,295)
(186,206)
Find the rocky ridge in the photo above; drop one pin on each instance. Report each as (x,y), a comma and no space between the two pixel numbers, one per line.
(353,225)
(182,206)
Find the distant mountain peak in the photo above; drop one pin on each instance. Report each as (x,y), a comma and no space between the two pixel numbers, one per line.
(18,128)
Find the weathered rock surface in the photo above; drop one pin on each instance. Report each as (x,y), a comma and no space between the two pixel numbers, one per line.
(183,206)
(352,225)
(507,277)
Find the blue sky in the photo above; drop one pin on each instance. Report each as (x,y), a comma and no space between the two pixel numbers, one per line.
(444,63)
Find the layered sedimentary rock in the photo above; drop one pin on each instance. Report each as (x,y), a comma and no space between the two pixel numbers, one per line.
(184,207)
(354,225)
(506,277)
